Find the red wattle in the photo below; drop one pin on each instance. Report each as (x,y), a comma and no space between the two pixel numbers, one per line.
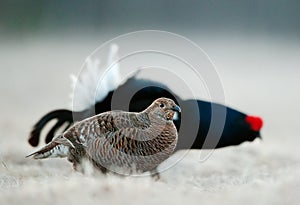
(255,122)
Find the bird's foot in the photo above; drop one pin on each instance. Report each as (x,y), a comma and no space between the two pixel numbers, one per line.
(155,175)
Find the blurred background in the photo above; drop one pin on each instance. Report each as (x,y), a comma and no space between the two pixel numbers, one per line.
(255,46)
(274,18)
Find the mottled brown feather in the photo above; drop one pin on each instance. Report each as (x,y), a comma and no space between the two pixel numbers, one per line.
(123,141)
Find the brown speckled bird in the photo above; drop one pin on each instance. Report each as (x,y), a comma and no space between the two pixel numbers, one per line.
(122,142)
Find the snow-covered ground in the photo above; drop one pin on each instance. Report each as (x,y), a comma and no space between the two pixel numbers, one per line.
(259,75)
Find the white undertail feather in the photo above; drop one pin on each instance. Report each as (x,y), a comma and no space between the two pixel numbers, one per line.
(87,88)
(57,151)
(113,77)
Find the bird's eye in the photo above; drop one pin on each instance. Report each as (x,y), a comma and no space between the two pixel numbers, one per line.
(161,105)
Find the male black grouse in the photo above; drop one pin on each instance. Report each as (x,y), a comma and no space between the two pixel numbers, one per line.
(201,124)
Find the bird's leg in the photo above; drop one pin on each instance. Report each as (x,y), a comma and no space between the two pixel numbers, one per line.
(102,169)
(155,174)
(75,160)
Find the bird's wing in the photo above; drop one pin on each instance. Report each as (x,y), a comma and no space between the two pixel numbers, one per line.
(125,140)
(100,125)
(113,147)
(114,130)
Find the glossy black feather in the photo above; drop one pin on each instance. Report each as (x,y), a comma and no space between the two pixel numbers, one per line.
(236,129)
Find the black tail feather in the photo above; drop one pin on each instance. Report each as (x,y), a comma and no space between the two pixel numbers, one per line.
(53,130)
(63,116)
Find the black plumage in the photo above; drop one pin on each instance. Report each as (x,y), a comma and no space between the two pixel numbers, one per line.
(201,125)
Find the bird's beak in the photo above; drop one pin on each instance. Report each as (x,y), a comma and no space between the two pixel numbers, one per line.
(259,136)
(176,108)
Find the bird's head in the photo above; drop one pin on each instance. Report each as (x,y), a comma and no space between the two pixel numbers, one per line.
(164,108)
(255,124)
